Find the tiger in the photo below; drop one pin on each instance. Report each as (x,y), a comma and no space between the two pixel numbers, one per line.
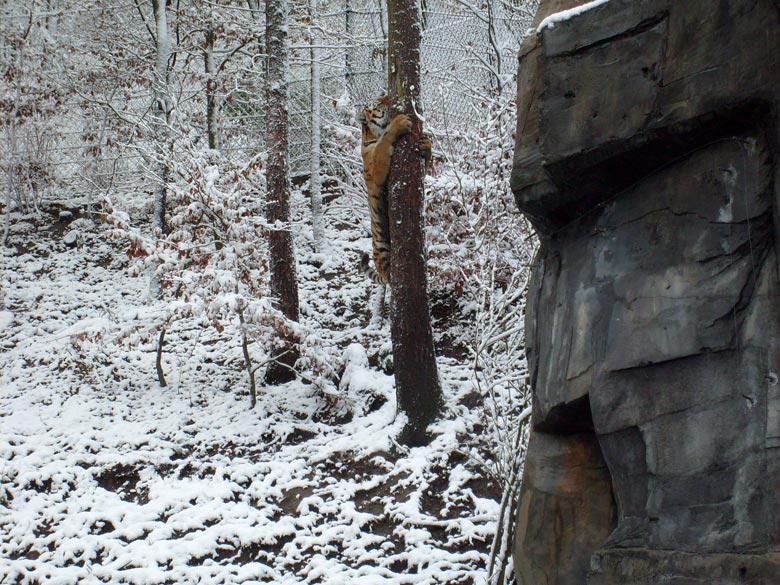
(378,136)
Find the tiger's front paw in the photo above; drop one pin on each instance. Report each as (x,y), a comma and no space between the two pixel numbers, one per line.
(400,125)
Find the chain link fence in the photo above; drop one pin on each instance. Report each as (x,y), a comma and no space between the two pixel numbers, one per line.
(468,52)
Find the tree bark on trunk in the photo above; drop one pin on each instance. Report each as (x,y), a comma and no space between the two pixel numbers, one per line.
(315,181)
(161,119)
(163,108)
(416,377)
(212,101)
(284,284)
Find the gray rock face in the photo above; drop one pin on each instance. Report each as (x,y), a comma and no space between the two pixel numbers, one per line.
(647,157)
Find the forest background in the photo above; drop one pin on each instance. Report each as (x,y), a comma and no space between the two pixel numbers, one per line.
(135,304)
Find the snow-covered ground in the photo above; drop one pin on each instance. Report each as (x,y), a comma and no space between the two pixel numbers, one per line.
(106,477)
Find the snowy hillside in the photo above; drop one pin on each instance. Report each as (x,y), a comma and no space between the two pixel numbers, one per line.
(141,151)
(107,477)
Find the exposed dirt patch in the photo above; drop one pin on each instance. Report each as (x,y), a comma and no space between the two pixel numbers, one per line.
(123,479)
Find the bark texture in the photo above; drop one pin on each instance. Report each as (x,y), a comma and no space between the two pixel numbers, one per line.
(647,157)
(162,111)
(212,99)
(315,180)
(416,375)
(284,282)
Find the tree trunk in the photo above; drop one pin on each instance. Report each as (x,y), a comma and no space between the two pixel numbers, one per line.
(212,103)
(315,181)
(163,107)
(348,52)
(162,113)
(416,377)
(284,284)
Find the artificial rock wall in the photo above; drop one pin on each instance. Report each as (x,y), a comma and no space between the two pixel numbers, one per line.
(647,158)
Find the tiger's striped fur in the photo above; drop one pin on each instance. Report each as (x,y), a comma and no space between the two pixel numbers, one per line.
(379,135)
(369,272)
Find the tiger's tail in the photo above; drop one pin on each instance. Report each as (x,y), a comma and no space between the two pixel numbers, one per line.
(370,273)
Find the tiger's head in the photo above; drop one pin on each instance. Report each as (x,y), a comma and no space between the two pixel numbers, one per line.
(374,117)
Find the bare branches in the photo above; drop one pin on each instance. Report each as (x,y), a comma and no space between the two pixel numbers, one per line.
(152,36)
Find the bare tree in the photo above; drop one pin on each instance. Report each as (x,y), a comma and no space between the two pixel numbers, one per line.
(163,107)
(416,377)
(315,181)
(28,103)
(284,283)
(212,100)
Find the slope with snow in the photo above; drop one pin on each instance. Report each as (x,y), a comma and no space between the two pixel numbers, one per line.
(105,477)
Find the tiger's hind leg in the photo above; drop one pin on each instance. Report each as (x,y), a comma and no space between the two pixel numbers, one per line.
(426,150)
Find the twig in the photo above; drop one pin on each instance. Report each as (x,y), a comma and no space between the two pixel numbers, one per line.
(158,360)
(248,360)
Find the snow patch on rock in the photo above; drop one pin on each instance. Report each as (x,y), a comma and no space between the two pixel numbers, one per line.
(565,15)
